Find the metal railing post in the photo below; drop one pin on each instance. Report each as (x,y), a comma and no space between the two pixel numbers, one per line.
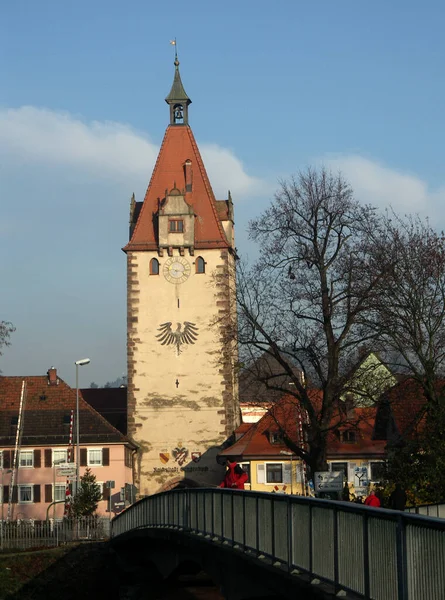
(402,574)
(336,586)
(365,522)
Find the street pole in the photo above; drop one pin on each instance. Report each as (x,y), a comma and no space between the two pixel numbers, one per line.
(78,363)
(77,430)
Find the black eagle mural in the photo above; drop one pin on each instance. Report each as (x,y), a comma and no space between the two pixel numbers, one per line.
(180,336)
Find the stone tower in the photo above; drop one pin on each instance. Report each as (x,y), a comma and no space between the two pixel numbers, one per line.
(182,388)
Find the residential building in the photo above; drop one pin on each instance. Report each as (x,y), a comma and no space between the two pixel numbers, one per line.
(182,387)
(37,436)
(352,448)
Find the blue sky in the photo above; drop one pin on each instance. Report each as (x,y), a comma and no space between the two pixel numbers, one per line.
(276,86)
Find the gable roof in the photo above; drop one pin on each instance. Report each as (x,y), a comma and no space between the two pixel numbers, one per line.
(111,403)
(255,443)
(46,414)
(406,405)
(251,387)
(179,146)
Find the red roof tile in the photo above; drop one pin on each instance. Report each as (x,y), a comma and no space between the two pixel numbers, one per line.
(46,409)
(255,443)
(178,146)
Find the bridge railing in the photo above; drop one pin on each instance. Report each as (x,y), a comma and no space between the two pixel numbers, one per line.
(376,553)
(429,510)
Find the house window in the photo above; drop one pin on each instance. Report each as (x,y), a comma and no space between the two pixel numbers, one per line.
(340,467)
(348,436)
(377,471)
(26,458)
(274,473)
(60,456)
(276,437)
(95,457)
(200,265)
(246,467)
(59,492)
(154,266)
(176,225)
(25,494)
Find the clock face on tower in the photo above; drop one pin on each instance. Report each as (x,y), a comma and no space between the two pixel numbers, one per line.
(176,270)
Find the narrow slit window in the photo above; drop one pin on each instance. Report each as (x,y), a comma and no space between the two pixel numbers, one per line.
(154,266)
(200,265)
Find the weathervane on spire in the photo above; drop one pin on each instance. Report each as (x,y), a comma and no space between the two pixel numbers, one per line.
(177,98)
(173,43)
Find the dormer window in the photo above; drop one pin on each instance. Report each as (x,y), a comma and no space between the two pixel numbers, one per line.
(276,437)
(176,226)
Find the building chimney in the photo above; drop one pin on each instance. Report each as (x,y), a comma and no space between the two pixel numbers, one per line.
(188,175)
(52,376)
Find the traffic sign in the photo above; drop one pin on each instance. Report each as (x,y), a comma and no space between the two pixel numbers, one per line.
(66,471)
(328,481)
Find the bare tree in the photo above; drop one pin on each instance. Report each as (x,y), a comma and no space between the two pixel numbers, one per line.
(409,315)
(6,329)
(301,304)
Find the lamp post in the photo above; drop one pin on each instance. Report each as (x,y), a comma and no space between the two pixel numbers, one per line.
(3,499)
(78,363)
(286,453)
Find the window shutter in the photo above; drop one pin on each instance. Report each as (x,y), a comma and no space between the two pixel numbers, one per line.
(5,494)
(48,457)
(287,473)
(105,457)
(15,493)
(105,492)
(36,493)
(260,474)
(48,492)
(72,457)
(7,459)
(37,459)
(83,457)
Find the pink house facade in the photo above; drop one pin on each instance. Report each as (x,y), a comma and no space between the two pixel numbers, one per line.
(35,434)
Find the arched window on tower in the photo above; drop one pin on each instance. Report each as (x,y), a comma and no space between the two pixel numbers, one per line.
(200,265)
(154,266)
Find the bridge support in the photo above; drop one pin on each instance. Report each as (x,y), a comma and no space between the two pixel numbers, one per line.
(148,557)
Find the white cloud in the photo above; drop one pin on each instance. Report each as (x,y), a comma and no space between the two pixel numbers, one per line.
(382,186)
(52,138)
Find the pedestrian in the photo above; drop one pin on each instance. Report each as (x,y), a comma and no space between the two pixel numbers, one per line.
(345,496)
(397,499)
(372,500)
(235,476)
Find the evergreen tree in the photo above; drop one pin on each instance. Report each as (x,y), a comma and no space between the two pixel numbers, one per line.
(85,501)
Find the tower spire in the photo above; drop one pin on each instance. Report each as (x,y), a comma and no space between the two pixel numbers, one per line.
(177,99)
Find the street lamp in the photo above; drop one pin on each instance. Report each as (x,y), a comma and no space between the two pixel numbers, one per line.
(78,363)
(3,488)
(286,453)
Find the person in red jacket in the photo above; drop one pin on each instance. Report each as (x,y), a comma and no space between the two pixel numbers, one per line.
(372,500)
(235,476)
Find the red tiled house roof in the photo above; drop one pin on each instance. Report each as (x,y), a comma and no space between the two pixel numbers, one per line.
(46,414)
(402,410)
(256,441)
